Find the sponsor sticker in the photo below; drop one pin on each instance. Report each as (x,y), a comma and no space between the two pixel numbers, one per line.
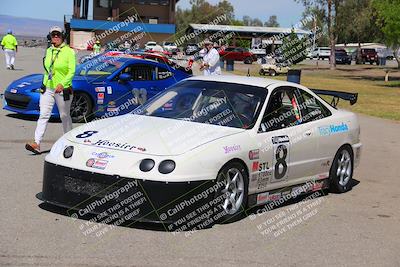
(265,197)
(124,146)
(109,90)
(317,186)
(255,166)
(23,84)
(100,95)
(112,109)
(263,179)
(13,91)
(333,129)
(100,89)
(254,154)
(100,164)
(280,139)
(100,101)
(96,163)
(229,149)
(103,155)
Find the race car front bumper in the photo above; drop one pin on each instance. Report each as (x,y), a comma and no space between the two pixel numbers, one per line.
(87,193)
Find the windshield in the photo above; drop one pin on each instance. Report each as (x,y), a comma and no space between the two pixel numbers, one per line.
(100,66)
(217,103)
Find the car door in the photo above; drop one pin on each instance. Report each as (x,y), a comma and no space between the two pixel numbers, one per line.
(318,119)
(287,146)
(143,85)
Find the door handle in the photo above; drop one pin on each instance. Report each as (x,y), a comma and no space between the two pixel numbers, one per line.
(308,133)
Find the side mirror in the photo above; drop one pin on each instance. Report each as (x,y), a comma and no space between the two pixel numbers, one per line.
(125,77)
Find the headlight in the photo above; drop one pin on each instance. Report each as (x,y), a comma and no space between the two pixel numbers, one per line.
(166,166)
(68,151)
(146,165)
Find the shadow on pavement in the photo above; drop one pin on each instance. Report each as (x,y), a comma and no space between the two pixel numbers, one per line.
(30,117)
(162,227)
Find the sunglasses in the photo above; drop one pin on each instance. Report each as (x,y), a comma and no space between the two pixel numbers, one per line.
(55,34)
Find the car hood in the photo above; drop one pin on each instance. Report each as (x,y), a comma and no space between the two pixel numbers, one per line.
(148,135)
(26,84)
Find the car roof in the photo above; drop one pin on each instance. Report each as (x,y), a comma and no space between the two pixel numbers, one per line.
(253,81)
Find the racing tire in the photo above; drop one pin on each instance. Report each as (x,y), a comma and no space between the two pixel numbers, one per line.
(248,60)
(272,73)
(233,193)
(341,172)
(81,107)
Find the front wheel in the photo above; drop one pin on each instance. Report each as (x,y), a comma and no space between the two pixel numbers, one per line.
(272,73)
(234,192)
(341,173)
(81,107)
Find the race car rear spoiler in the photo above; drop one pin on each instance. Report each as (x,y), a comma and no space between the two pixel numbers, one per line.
(352,97)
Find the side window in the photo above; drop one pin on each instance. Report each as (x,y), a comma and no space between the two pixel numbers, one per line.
(282,110)
(311,108)
(163,73)
(141,72)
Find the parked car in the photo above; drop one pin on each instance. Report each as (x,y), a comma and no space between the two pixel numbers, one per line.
(243,142)
(101,86)
(170,47)
(191,49)
(368,55)
(321,53)
(341,57)
(150,45)
(237,54)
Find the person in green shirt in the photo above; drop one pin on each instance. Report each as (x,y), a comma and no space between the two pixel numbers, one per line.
(59,65)
(10,46)
(97,48)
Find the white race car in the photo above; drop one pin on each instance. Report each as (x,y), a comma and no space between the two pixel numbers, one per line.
(207,148)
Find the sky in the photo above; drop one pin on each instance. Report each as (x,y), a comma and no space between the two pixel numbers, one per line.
(288,11)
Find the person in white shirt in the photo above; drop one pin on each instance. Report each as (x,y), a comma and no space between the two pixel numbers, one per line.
(210,65)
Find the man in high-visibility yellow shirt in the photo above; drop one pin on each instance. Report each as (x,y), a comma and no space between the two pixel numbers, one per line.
(10,47)
(97,48)
(59,66)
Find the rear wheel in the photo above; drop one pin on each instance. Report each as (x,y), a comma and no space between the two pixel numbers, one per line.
(81,107)
(261,72)
(234,192)
(341,173)
(272,73)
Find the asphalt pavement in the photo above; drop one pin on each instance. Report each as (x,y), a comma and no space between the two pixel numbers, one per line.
(359,228)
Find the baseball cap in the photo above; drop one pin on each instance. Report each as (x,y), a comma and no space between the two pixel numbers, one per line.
(9,31)
(56,29)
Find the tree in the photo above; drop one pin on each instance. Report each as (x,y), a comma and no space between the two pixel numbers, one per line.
(332,8)
(388,13)
(247,20)
(202,12)
(272,22)
(293,49)
(256,22)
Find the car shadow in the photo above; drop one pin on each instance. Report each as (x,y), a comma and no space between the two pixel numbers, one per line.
(30,117)
(162,227)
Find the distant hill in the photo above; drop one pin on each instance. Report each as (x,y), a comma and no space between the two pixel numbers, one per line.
(27,26)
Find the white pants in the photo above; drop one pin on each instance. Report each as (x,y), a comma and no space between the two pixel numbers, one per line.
(46,106)
(10,57)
